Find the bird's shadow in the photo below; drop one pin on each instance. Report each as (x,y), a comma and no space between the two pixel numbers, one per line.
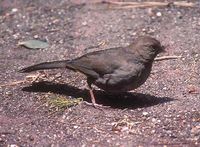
(121,101)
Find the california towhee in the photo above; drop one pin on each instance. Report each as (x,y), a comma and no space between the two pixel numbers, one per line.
(118,69)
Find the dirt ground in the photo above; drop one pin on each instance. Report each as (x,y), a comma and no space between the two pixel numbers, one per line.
(165,111)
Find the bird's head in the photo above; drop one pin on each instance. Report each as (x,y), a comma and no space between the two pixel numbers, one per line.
(147,47)
(150,44)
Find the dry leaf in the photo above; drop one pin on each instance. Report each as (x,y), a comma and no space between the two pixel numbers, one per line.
(34,44)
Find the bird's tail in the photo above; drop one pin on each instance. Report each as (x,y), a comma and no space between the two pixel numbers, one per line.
(48,65)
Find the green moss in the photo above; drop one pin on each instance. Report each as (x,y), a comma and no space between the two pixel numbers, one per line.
(60,103)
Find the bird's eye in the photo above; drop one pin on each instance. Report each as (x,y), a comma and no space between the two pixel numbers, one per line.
(153,47)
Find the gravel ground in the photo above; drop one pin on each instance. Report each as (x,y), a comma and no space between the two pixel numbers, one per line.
(165,111)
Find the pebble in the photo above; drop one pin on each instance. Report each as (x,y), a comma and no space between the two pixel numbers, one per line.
(36,36)
(61,41)
(145,113)
(75,127)
(143,30)
(12,145)
(16,36)
(158,14)
(153,120)
(9,93)
(164,88)
(84,23)
(153,131)
(14,10)
(196,55)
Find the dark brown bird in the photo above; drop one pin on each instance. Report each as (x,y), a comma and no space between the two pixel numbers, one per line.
(118,69)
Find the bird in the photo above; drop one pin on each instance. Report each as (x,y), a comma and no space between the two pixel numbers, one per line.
(118,69)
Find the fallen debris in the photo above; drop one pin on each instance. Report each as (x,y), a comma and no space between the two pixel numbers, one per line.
(127,5)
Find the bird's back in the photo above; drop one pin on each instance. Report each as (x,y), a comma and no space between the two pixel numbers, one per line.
(104,61)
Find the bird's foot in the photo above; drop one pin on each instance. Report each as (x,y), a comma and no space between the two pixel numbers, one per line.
(95,105)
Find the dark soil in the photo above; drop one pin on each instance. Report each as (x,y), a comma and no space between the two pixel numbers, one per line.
(165,111)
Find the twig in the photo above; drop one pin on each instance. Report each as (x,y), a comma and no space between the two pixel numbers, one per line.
(32,77)
(127,5)
(55,78)
(96,46)
(13,83)
(166,58)
(72,81)
(36,77)
(184,4)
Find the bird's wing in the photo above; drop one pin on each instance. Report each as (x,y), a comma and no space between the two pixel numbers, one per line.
(128,72)
(97,64)
(127,77)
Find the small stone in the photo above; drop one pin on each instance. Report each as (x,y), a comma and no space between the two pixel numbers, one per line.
(75,127)
(125,129)
(61,41)
(13,145)
(145,113)
(164,88)
(8,93)
(153,120)
(134,33)
(3,135)
(183,59)
(196,55)
(84,23)
(143,30)
(14,10)
(20,130)
(153,131)
(16,36)
(108,141)
(158,14)
(179,15)
(36,36)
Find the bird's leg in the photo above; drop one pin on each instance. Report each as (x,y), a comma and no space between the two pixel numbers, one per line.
(92,96)
(89,82)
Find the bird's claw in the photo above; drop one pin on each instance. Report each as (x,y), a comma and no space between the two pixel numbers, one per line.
(95,105)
